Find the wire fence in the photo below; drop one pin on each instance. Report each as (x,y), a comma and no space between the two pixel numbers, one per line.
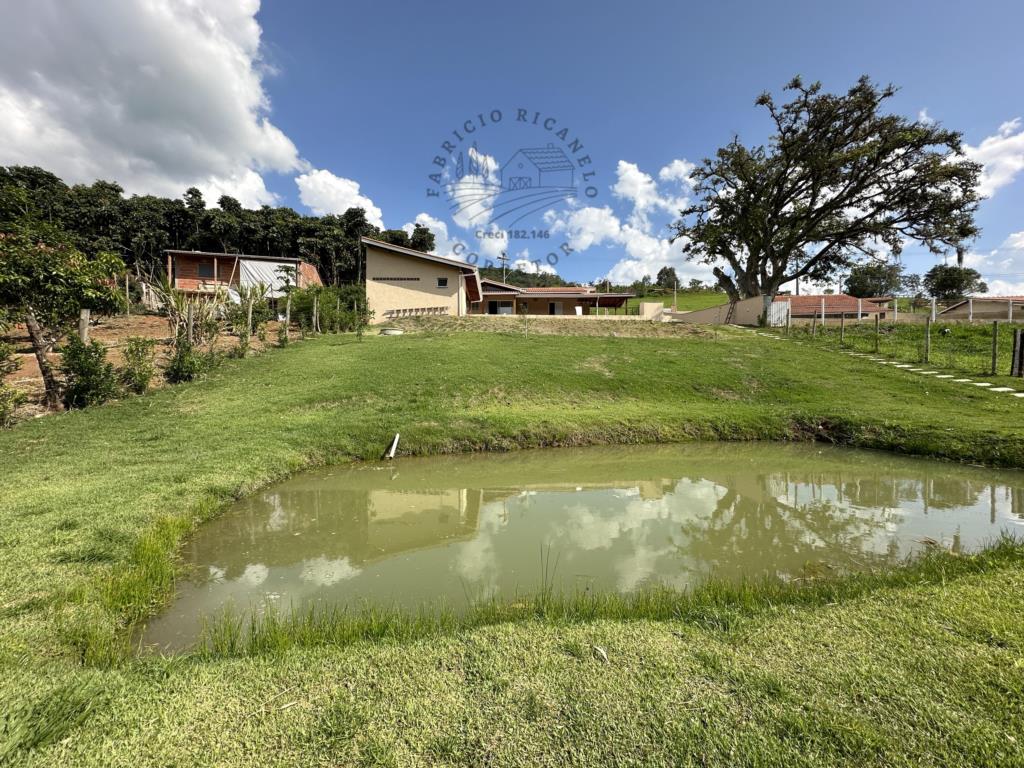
(977,348)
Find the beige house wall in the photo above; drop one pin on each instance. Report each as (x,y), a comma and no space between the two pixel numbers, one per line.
(986,309)
(747,313)
(417,287)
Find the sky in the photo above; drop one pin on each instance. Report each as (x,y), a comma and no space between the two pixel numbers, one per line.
(577,122)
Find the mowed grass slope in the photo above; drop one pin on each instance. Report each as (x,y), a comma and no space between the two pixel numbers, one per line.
(92,505)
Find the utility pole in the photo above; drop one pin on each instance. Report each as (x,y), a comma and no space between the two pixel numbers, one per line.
(504,265)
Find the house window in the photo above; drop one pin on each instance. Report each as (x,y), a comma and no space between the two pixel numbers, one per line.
(500,308)
(205,269)
(442,282)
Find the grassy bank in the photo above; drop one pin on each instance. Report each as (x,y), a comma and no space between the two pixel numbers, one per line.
(94,503)
(963,346)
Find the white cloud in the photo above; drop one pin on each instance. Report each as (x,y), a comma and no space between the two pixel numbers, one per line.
(638,188)
(586,227)
(924,117)
(1002,156)
(536,267)
(1002,267)
(678,170)
(646,250)
(157,96)
(443,244)
(323,192)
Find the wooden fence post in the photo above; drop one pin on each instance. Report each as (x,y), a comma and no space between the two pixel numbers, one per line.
(933,309)
(842,329)
(823,312)
(927,338)
(1017,361)
(814,325)
(995,345)
(970,310)
(877,330)
(83,325)
(288,315)
(127,296)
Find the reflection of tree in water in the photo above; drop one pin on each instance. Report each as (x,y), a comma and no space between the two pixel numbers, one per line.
(771,524)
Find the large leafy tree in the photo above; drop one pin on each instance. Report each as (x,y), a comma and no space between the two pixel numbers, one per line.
(839,181)
(948,283)
(45,281)
(667,278)
(875,279)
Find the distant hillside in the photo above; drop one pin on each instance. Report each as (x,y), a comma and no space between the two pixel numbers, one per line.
(522,279)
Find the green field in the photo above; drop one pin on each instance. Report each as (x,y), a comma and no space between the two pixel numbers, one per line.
(685,301)
(915,667)
(957,346)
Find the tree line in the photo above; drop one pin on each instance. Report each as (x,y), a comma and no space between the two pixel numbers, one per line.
(99,218)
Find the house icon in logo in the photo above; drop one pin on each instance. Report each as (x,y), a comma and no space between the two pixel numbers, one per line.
(538,167)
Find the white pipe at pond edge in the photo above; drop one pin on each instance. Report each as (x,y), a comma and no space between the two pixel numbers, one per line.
(394,447)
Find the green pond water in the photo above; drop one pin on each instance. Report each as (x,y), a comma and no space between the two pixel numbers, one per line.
(450,530)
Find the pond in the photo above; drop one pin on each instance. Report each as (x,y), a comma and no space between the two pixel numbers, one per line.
(452,530)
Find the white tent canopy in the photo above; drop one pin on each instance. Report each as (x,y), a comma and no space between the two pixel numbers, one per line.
(255,271)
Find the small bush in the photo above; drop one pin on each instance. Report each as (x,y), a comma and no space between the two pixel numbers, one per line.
(89,378)
(282,334)
(10,398)
(186,364)
(138,363)
(8,362)
(336,308)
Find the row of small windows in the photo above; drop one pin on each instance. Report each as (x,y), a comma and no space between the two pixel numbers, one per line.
(442,282)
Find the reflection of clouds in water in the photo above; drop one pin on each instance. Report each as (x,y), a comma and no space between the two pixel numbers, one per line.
(215,573)
(591,529)
(254,574)
(278,518)
(475,561)
(641,523)
(324,572)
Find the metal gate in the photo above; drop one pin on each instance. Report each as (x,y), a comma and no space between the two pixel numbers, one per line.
(776,314)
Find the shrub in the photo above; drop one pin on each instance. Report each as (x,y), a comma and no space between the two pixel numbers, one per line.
(238,314)
(336,307)
(138,363)
(186,363)
(89,378)
(10,398)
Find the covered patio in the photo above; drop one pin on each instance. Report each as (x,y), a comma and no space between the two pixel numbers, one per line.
(502,299)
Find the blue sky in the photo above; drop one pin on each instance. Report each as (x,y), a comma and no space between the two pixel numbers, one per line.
(318,105)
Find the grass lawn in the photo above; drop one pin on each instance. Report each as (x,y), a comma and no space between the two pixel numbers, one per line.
(921,667)
(686,300)
(958,346)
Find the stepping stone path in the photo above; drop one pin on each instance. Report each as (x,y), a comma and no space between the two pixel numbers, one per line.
(908,367)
